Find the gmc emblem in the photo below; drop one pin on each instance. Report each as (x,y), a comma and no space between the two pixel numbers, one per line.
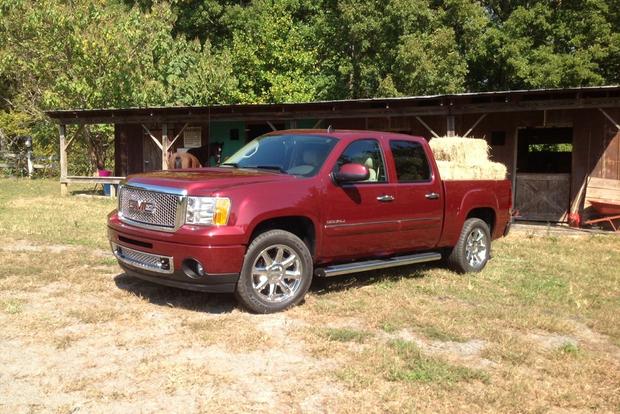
(141,206)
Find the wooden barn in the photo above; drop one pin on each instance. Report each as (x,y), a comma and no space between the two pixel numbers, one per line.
(561,146)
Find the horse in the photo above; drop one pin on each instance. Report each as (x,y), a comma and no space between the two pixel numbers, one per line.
(183,160)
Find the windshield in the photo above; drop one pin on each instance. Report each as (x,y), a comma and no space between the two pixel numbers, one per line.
(291,154)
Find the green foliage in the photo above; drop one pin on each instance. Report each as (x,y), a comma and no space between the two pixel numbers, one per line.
(96,53)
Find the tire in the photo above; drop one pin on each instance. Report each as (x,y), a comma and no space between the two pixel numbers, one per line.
(473,249)
(276,274)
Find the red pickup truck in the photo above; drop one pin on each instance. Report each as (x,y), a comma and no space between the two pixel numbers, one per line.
(297,204)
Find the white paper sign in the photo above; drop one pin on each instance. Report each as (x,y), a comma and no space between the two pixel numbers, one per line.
(192,137)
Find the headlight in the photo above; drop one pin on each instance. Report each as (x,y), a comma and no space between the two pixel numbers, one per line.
(207,210)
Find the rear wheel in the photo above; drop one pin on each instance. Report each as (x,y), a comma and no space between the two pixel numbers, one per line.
(473,249)
(276,274)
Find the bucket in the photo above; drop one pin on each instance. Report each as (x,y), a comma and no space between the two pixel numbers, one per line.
(107,189)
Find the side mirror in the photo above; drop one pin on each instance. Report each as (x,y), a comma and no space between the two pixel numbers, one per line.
(350,173)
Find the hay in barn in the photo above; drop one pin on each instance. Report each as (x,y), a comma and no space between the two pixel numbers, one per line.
(460,150)
(486,170)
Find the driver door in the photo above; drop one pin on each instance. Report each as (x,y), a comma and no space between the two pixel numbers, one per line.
(361,217)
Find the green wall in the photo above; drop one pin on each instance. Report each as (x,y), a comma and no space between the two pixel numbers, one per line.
(220,132)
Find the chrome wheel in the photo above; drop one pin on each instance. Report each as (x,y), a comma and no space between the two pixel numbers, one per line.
(277,273)
(476,248)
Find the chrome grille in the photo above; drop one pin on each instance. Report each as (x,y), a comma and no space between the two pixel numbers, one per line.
(153,262)
(142,206)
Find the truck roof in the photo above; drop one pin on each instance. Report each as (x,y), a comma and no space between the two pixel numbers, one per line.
(341,133)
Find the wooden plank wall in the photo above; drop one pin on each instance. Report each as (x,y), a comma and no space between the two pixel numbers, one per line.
(128,144)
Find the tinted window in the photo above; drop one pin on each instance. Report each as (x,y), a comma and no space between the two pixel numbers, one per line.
(410,160)
(368,153)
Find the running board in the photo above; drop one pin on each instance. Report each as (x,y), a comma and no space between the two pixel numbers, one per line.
(343,269)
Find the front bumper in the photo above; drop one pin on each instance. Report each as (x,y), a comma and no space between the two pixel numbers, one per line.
(162,262)
(220,283)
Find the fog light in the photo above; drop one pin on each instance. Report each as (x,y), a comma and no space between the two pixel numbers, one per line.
(193,268)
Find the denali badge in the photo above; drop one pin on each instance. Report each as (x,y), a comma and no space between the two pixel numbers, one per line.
(142,206)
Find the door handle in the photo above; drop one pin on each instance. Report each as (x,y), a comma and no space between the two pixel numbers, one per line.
(385,198)
(432,196)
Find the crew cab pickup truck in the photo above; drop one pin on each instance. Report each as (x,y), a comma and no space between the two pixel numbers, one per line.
(293,205)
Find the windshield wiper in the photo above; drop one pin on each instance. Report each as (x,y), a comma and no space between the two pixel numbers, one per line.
(267,167)
(232,164)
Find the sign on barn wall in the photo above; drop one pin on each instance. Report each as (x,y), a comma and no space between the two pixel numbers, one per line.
(192,137)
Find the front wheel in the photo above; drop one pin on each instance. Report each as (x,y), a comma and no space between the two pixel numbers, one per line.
(276,273)
(473,249)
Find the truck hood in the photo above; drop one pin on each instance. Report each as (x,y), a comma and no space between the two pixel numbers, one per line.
(205,181)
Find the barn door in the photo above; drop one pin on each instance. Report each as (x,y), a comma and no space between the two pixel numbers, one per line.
(544,158)
(151,154)
(543,197)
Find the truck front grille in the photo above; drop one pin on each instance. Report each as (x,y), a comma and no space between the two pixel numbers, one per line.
(151,207)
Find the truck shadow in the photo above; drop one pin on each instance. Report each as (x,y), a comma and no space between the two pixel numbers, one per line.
(215,303)
(322,286)
(220,303)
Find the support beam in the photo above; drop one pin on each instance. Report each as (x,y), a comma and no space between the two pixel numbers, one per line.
(81,127)
(613,121)
(293,124)
(474,125)
(155,140)
(427,127)
(273,128)
(62,132)
(450,128)
(164,146)
(176,137)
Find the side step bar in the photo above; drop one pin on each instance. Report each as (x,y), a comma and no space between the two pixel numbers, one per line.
(355,267)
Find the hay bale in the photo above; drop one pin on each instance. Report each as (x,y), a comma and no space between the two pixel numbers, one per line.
(487,170)
(460,150)
(465,159)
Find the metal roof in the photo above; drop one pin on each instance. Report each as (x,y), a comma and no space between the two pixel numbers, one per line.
(468,102)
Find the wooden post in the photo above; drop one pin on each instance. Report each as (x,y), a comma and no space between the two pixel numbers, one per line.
(164,146)
(450,129)
(62,132)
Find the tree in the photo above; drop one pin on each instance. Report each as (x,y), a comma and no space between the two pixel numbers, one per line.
(96,54)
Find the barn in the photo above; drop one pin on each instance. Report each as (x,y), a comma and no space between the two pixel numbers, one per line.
(558,144)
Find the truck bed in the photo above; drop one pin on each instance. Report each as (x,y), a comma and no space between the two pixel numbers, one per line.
(461,196)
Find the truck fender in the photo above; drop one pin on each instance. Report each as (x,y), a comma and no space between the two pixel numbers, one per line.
(477,198)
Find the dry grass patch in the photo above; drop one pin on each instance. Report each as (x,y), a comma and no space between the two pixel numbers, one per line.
(216,330)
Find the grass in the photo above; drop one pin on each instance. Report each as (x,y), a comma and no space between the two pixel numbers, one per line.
(346,335)
(415,339)
(33,210)
(408,363)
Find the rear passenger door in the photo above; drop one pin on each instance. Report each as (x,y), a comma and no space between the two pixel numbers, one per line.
(419,195)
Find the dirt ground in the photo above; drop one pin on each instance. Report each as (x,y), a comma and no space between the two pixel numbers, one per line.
(80,336)
(537,331)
